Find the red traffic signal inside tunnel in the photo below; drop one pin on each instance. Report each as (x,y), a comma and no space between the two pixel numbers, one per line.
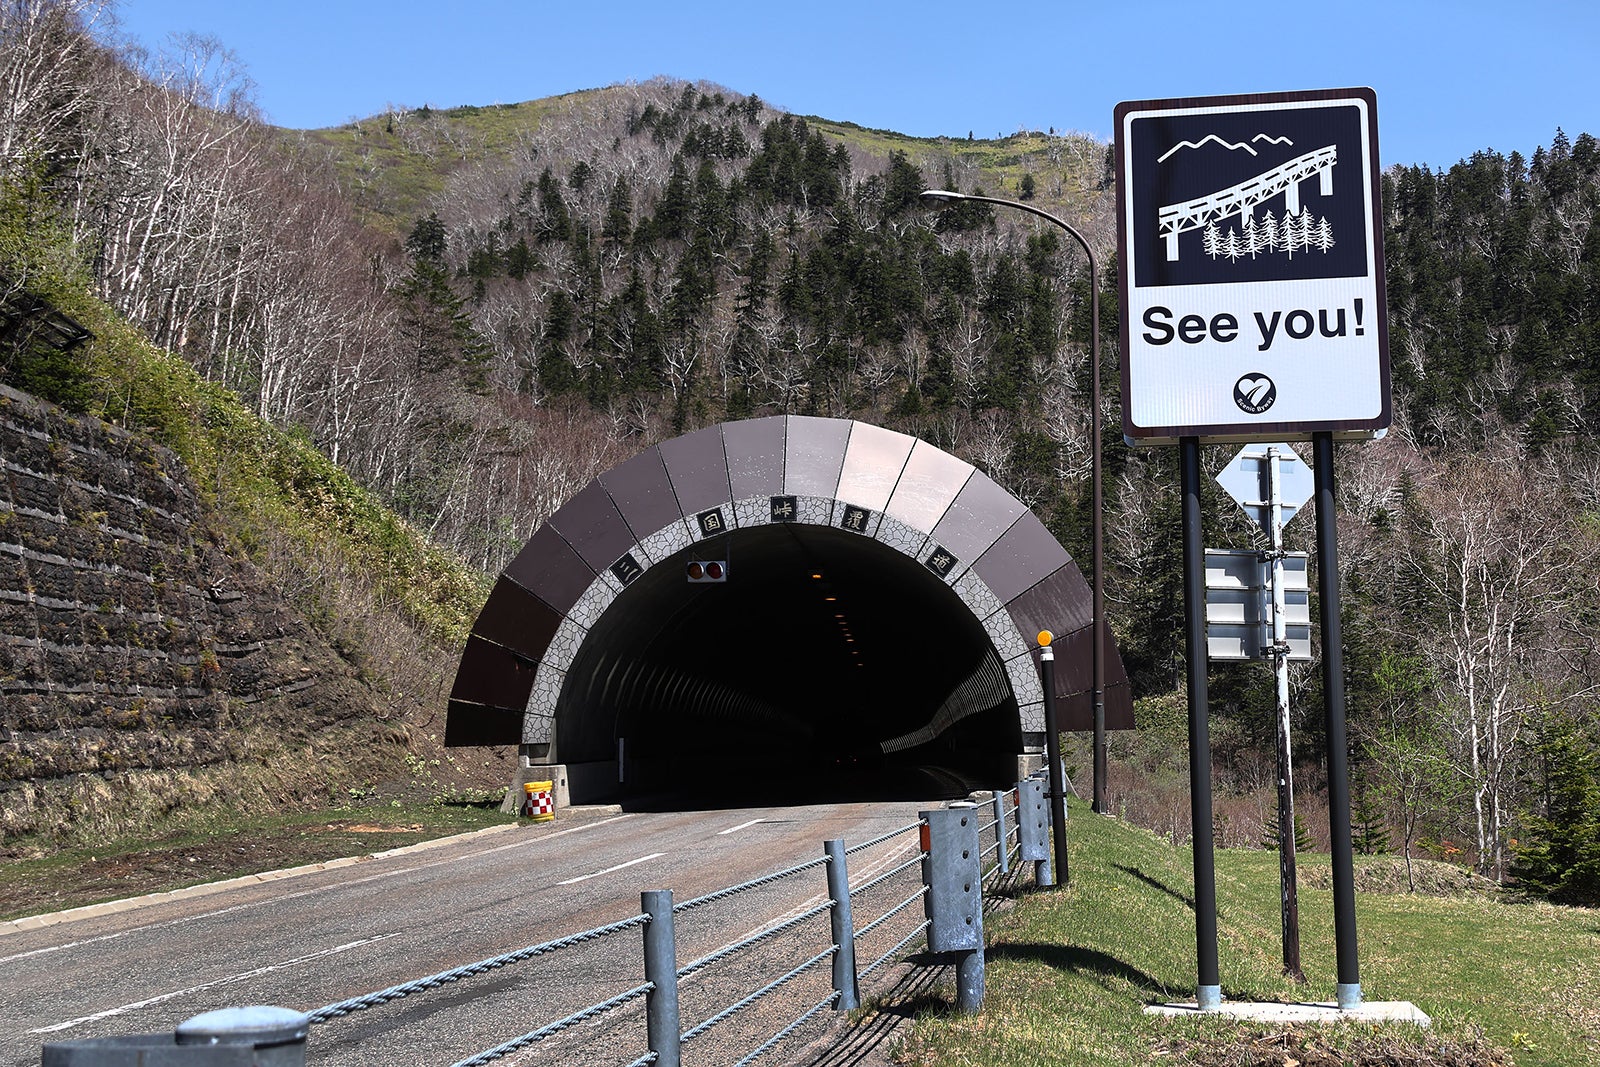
(873,622)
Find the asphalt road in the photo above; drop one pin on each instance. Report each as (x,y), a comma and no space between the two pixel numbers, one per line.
(318,938)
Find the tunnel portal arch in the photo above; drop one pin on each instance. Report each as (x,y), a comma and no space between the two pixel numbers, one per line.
(879,590)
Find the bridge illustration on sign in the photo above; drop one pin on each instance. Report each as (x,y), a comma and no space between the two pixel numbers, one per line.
(1299,231)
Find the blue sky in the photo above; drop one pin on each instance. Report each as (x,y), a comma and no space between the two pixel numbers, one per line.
(1451,78)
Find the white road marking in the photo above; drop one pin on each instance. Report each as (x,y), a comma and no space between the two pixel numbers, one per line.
(229,980)
(609,870)
(735,829)
(279,898)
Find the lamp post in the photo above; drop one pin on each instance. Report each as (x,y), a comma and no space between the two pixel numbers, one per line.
(943,198)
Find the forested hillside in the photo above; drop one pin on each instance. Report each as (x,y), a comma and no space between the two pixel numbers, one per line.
(475,311)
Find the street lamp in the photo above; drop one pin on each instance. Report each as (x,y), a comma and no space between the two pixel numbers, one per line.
(944,198)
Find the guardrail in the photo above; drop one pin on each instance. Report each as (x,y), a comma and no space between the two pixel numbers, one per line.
(953,862)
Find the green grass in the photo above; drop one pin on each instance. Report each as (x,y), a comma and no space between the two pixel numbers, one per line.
(1070,971)
(393,170)
(394,167)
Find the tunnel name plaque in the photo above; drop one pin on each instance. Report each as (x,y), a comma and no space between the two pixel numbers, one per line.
(627,568)
(855,519)
(941,562)
(712,523)
(785,509)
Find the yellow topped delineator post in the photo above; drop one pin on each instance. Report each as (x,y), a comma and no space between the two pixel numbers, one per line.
(1052,750)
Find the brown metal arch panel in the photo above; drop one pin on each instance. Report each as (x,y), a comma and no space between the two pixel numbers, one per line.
(1074,696)
(874,459)
(475,724)
(1025,555)
(697,463)
(1062,603)
(755,456)
(929,484)
(593,526)
(494,676)
(814,455)
(514,618)
(980,513)
(551,570)
(643,493)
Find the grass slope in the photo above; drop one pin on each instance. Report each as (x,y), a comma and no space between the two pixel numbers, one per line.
(1069,972)
(394,164)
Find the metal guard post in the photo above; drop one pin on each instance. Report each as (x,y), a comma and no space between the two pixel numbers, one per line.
(952,871)
(842,926)
(1033,836)
(661,971)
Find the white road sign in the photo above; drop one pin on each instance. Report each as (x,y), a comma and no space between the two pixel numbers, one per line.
(1250,262)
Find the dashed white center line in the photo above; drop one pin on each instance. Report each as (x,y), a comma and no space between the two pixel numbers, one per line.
(609,870)
(735,829)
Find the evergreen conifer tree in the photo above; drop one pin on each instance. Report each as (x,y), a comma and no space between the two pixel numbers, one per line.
(1269,832)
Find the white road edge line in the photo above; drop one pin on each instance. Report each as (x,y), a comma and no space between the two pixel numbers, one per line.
(741,826)
(609,870)
(34,922)
(230,979)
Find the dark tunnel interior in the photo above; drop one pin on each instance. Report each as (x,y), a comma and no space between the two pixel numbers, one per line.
(826,666)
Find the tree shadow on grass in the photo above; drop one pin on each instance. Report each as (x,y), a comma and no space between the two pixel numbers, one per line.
(1077,959)
(1186,901)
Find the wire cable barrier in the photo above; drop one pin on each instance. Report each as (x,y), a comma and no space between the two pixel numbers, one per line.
(667,1039)
(778,1006)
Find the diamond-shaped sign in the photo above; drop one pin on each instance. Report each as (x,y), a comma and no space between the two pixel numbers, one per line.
(1246,479)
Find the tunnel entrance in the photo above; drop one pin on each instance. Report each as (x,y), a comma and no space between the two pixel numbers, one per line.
(819,665)
(873,635)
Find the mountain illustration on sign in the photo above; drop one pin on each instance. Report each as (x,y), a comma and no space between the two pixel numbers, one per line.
(1297,230)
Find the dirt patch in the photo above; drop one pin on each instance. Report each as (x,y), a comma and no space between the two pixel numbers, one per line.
(1387,874)
(1336,1047)
(33,885)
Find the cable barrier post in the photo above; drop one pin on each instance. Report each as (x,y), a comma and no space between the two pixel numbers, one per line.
(842,926)
(661,971)
(1001,834)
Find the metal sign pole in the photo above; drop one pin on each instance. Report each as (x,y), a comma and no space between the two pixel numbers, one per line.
(1208,995)
(1344,879)
(1288,889)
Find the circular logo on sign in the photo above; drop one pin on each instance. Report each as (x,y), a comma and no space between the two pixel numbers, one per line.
(1254,393)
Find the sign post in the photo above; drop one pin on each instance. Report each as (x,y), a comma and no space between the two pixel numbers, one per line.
(1250,258)
(1259,479)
